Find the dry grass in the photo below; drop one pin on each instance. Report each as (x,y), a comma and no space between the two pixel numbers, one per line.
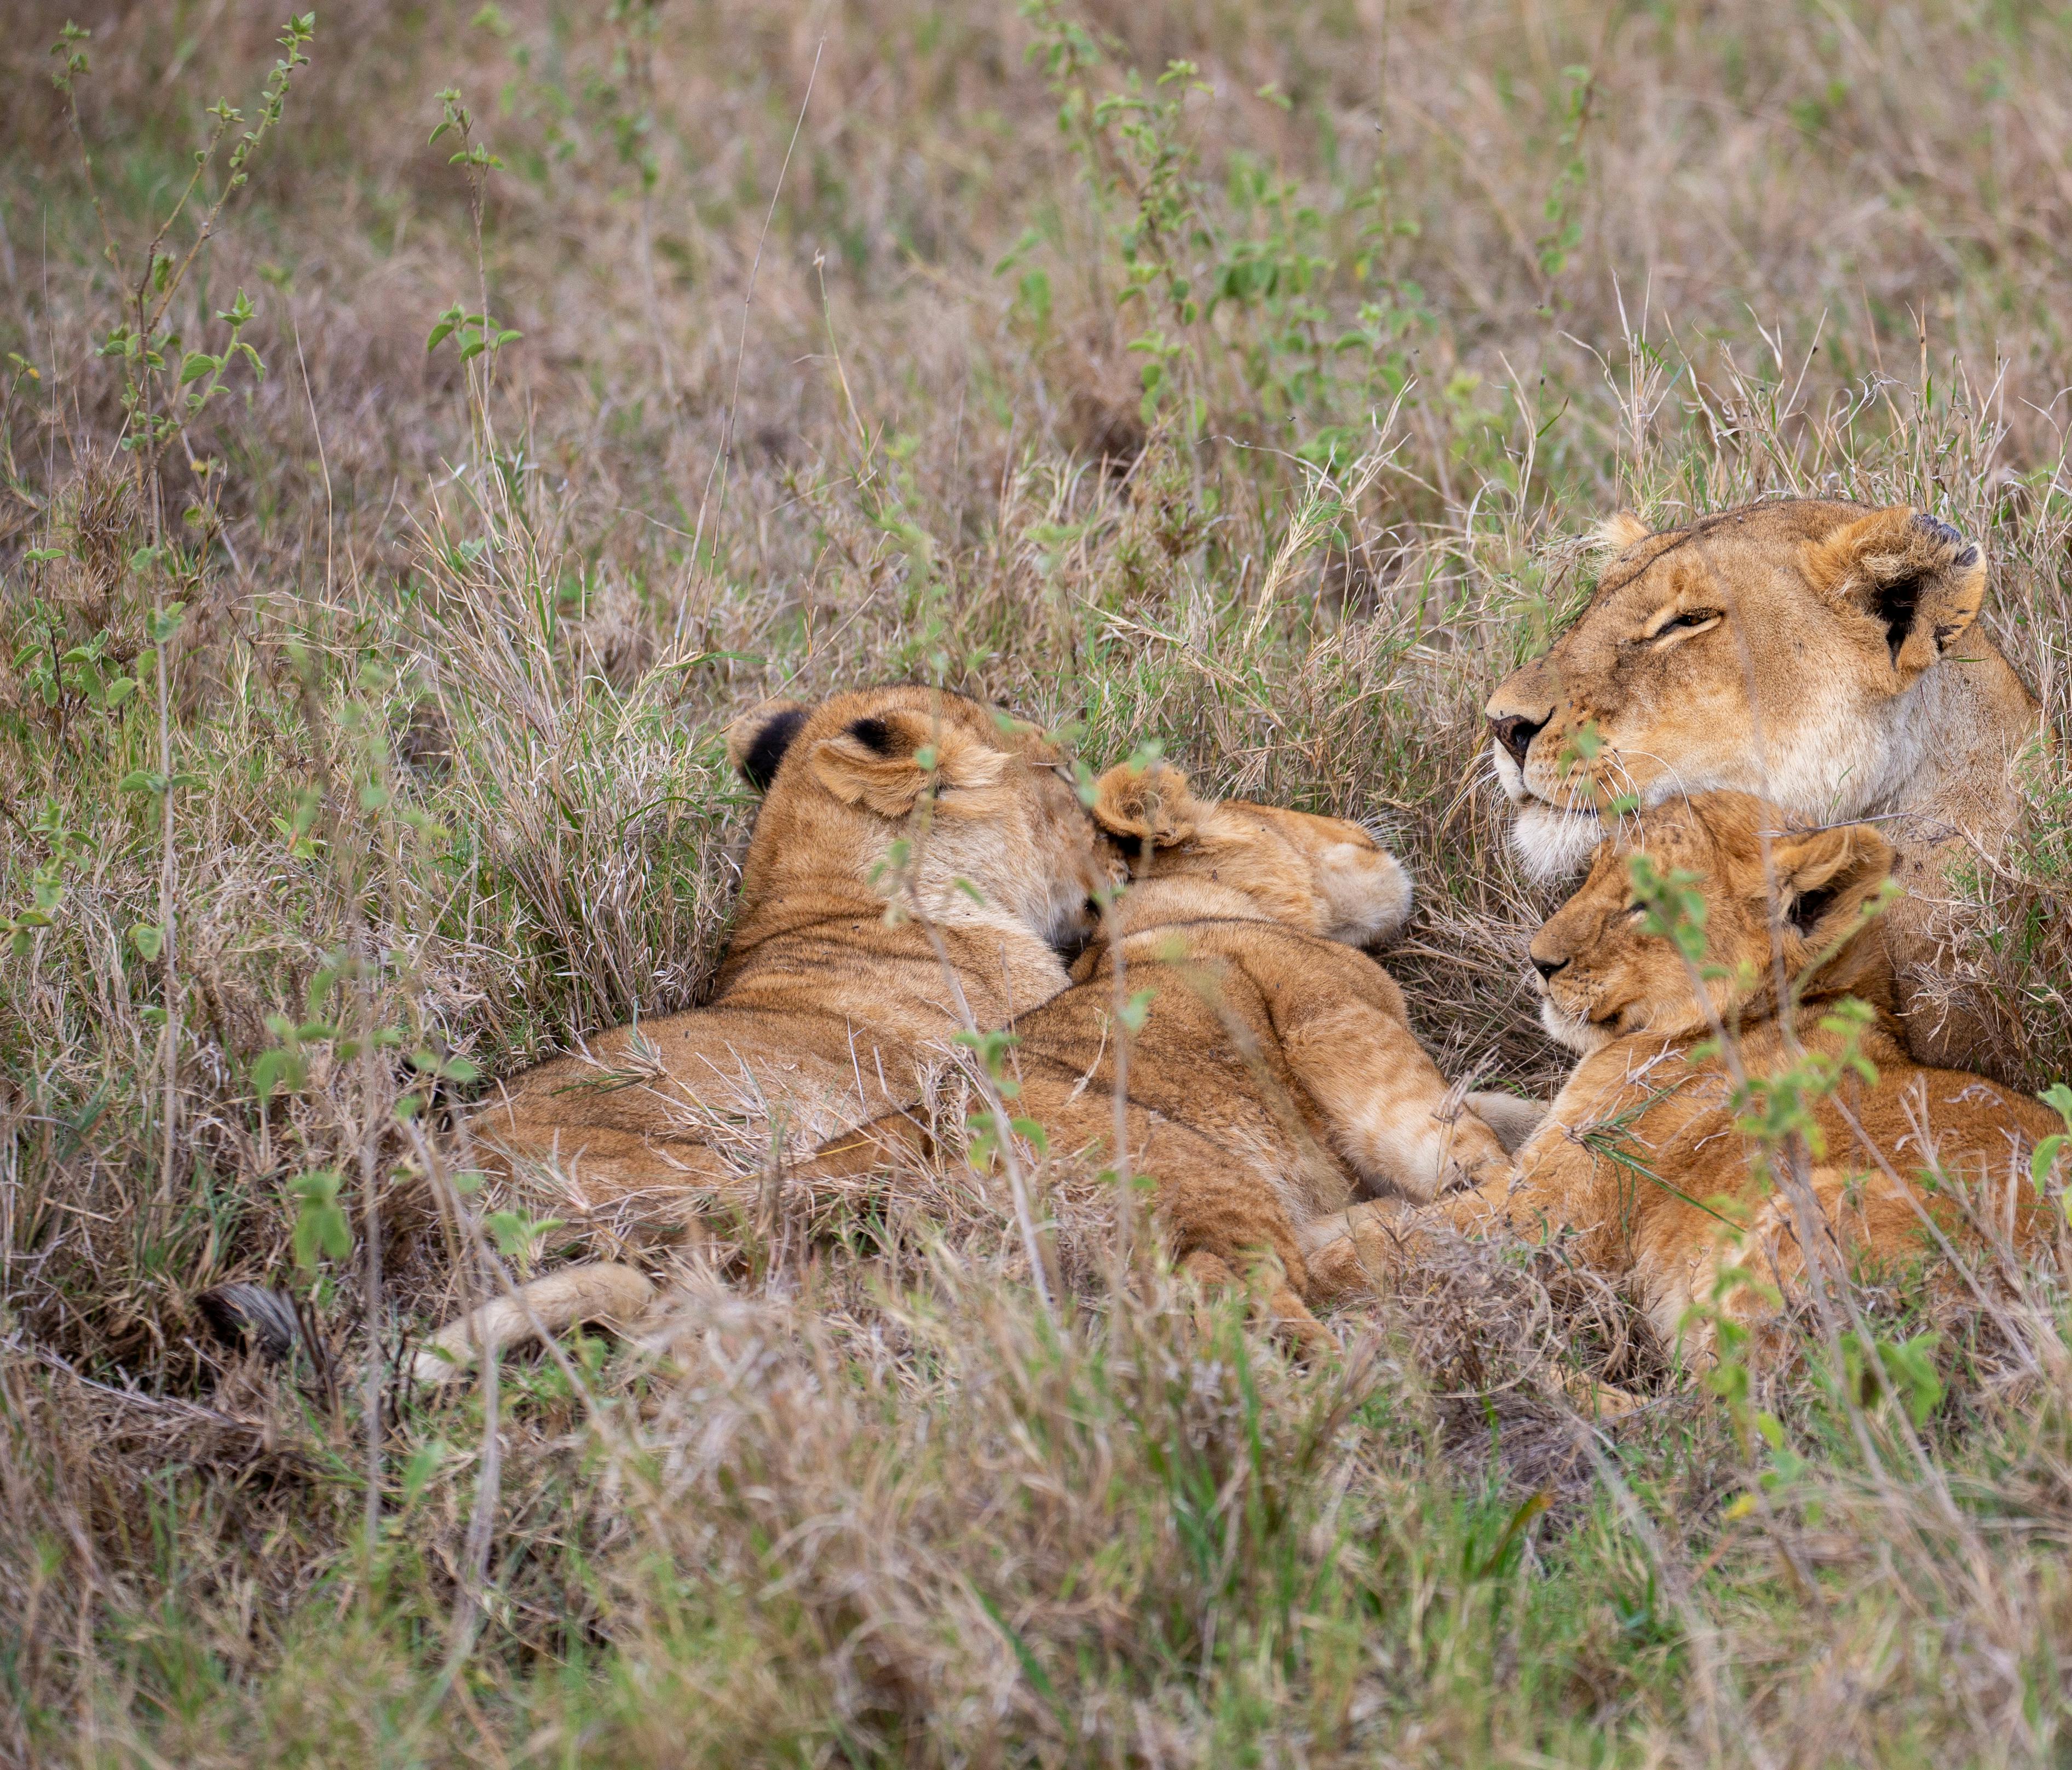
(836,323)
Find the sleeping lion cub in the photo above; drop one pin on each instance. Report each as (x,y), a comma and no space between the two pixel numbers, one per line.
(1275,1079)
(826,1013)
(1643,1156)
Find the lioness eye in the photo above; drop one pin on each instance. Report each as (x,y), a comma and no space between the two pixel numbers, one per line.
(1636,910)
(1686,618)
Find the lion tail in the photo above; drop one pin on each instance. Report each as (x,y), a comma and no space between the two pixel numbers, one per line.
(600,1291)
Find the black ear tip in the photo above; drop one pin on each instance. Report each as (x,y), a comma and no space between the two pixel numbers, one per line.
(873,734)
(759,761)
(1943,535)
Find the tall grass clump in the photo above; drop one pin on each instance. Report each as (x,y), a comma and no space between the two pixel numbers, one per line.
(407,466)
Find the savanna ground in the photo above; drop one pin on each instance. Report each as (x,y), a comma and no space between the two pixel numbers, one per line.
(360,738)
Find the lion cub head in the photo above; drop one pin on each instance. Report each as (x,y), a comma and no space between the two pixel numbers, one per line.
(1771,648)
(1322,875)
(993,830)
(1608,969)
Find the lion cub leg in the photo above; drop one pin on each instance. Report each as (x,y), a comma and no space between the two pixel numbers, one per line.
(1283,1310)
(1513,1117)
(1351,1252)
(1392,1113)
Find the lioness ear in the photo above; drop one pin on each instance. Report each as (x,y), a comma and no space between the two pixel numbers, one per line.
(1617,534)
(757,741)
(886,761)
(1823,879)
(1141,805)
(1917,576)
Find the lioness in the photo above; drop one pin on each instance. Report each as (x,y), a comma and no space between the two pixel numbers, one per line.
(1276,1077)
(823,1013)
(1643,1155)
(1822,655)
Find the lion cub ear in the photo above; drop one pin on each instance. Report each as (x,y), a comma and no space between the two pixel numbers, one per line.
(1825,877)
(1140,806)
(1917,577)
(757,741)
(1615,534)
(886,761)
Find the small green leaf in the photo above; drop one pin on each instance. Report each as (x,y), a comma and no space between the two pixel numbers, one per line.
(149,940)
(518,1236)
(1137,1010)
(320,1225)
(2045,1158)
(418,1471)
(2058,1097)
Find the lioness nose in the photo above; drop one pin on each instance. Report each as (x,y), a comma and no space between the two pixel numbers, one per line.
(1515,733)
(1547,967)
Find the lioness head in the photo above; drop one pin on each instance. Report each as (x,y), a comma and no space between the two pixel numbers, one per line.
(1322,875)
(1772,648)
(1606,971)
(994,829)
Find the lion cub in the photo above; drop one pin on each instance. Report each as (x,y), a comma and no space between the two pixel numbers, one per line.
(825,1015)
(1275,1078)
(1643,1155)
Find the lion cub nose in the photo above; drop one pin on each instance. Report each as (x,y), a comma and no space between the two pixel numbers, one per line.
(1515,733)
(1547,967)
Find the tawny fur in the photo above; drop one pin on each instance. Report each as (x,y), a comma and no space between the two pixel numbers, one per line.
(1844,677)
(825,1015)
(1641,1157)
(1276,1079)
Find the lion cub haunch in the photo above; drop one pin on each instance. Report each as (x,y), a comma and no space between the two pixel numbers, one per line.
(1822,655)
(1276,1079)
(823,1016)
(1642,1157)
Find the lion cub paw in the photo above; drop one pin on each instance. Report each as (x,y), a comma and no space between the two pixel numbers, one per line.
(1348,1250)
